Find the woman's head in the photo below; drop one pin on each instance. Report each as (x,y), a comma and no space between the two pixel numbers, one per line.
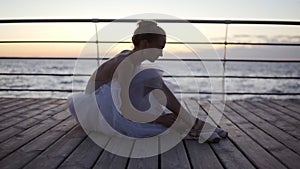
(147,31)
(149,35)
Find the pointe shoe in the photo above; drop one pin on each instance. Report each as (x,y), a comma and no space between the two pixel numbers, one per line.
(210,137)
(214,138)
(222,133)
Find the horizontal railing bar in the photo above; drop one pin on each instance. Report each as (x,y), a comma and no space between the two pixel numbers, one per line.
(42,74)
(167,76)
(43,90)
(190,43)
(121,42)
(262,44)
(161,59)
(54,41)
(180,92)
(96,20)
(238,77)
(239,93)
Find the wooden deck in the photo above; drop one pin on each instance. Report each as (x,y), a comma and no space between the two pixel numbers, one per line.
(40,133)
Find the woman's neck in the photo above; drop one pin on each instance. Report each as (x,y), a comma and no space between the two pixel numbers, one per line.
(135,58)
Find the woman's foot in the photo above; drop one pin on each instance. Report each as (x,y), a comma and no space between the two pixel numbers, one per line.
(214,138)
(222,133)
(195,134)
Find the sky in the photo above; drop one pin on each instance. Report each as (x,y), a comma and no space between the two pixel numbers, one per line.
(190,9)
(287,10)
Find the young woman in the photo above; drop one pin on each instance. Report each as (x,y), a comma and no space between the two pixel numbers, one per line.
(131,98)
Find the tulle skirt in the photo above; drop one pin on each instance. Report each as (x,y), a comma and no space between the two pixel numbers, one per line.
(98,112)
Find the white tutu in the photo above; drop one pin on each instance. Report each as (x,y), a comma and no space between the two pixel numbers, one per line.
(98,112)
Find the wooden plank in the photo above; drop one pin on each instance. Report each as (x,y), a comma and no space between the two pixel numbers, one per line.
(2,99)
(9,132)
(110,160)
(288,105)
(53,156)
(17,128)
(290,102)
(201,155)
(16,105)
(210,159)
(18,122)
(141,163)
(31,108)
(278,150)
(6,101)
(282,109)
(9,122)
(37,109)
(84,156)
(49,112)
(272,119)
(20,118)
(254,152)
(273,131)
(29,151)
(17,141)
(296,101)
(291,120)
(15,102)
(228,154)
(27,123)
(28,107)
(175,158)
(142,147)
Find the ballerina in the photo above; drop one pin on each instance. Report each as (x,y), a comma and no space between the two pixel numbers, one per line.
(133,99)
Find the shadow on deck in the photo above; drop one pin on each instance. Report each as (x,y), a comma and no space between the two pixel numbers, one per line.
(40,133)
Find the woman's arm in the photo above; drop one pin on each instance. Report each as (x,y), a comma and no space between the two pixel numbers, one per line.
(92,84)
(125,72)
(175,106)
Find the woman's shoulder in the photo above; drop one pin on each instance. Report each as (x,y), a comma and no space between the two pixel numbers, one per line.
(121,56)
(125,52)
(116,59)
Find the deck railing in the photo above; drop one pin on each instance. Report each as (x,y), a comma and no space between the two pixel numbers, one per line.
(227,23)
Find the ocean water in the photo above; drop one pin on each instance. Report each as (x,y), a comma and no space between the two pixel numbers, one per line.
(178,68)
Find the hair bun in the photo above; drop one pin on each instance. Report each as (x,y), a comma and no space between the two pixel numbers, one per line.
(146,23)
(148,26)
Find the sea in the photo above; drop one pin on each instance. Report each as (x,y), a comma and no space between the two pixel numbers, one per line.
(184,78)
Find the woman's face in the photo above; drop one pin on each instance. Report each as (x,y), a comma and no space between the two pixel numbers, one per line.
(156,48)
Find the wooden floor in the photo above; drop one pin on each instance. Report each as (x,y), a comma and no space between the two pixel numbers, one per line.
(40,133)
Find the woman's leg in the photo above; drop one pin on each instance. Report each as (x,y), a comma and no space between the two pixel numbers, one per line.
(188,119)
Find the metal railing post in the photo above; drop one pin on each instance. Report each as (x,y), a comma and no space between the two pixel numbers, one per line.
(224,60)
(97,41)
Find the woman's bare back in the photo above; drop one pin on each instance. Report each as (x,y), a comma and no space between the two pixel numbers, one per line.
(105,72)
